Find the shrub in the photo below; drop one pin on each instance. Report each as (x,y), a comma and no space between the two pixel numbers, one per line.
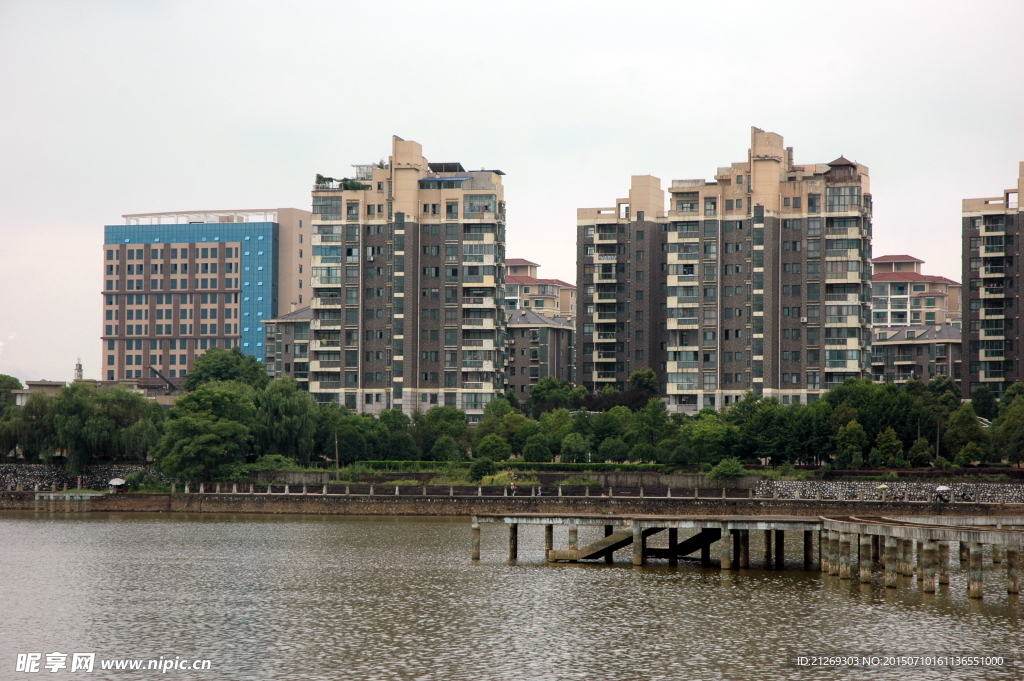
(493,447)
(536,449)
(727,470)
(482,468)
(613,449)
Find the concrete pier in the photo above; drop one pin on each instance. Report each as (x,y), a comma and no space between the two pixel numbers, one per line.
(1012,570)
(476,540)
(919,565)
(997,554)
(891,575)
(943,562)
(744,537)
(549,537)
(844,556)
(866,544)
(638,544)
(767,548)
(975,587)
(808,549)
(780,549)
(930,558)
(513,542)
(609,556)
(673,547)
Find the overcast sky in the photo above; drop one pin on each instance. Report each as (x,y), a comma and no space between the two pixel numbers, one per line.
(109,108)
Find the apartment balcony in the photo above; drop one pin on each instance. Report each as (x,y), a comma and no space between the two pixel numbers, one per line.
(903,378)
(477,365)
(842,254)
(478,259)
(993,312)
(477,323)
(842,320)
(852,298)
(606,257)
(323,386)
(606,296)
(606,337)
(842,365)
(478,301)
(325,323)
(876,359)
(905,359)
(676,388)
(993,292)
(992,271)
(318,364)
(606,316)
(319,344)
(478,343)
(486,238)
(992,375)
(320,303)
(683,323)
(318,239)
(316,282)
(843,276)
(994,334)
(604,375)
(987,354)
(605,356)
(994,251)
(602,236)
(478,385)
(680,279)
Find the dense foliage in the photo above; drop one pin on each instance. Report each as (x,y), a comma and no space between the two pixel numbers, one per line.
(233,422)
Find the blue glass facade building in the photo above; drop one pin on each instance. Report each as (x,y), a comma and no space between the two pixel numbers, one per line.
(259,261)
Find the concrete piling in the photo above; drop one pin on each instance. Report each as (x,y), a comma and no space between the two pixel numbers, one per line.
(975,586)
(673,545)
(574,541)
(608,530)
(735,536)
(823,549)
(876,548)
(844,556)
(943,567)
(891,576)
(929,558)
(513,542)
(767,548)
(808,549)
(1012,570)
(919,566)
(997,554)
(963,551)
(780,549)
(726,554)
(866,544)
(638,544)
(744,537)
(549,538)
(475,533)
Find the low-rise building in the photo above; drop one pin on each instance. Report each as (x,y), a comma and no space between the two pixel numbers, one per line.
(920,352)
(287,346)
(525,290)
(539,346)
(903,296)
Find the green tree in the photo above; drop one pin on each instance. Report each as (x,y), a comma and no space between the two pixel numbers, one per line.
(1008,432)
(984,403)
(555,425)
(850,443)
(613,449)
(575,448)
(286,419)
(220,364)
(648,425)
(889,448)
(1010,395)
(643,451)
(436,423)
(969,454)
(962,429)
(446,449)
(494,448)
(28,428)
(549,393)
(198,447)
(536,449)
(7,384)
(510,397)
(921,453)
(645,382)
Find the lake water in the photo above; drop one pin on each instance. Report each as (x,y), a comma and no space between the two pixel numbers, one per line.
(290,597)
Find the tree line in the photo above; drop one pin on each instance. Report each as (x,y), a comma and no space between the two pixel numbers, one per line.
(233,419)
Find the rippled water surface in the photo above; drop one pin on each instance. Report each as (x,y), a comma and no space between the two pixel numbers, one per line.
(272,597)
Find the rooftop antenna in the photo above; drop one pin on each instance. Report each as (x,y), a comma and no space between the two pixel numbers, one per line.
(78,370)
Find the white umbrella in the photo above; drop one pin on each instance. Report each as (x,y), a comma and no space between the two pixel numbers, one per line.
(116,481)
(882,487)
(941,488)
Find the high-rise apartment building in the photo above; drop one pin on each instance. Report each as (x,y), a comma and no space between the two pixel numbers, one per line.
(408,270)
(992,269)
(917,352)
(903,296)
(177,284)
(758,280)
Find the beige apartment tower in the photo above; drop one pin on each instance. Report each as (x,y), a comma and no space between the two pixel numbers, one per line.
(408,275)
(758,280)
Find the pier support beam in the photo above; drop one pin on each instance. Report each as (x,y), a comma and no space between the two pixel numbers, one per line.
(975,586)
(475,533)
(574,535)
(638,543)
(808,549)
(673,545)
(929,558)
(1012,570)
(867,543)
(735,534)
(513,542)
(876,548)
(549,538)
(963,551)
(705,555)
(767,548)
(726,554)
(744,549)
(608,557)
(943,567)
(780,549)
(891,577)
(919,567)
(833,553)
(844,556)
(997,554)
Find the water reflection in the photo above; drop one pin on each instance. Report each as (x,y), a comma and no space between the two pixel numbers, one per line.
(302,597)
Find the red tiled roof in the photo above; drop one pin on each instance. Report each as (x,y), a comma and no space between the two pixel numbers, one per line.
(514,279)
(558,282)
(519,262)
(912,276)
(896,258)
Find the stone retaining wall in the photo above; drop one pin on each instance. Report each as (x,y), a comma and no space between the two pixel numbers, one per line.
(28,475)
(915,491)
